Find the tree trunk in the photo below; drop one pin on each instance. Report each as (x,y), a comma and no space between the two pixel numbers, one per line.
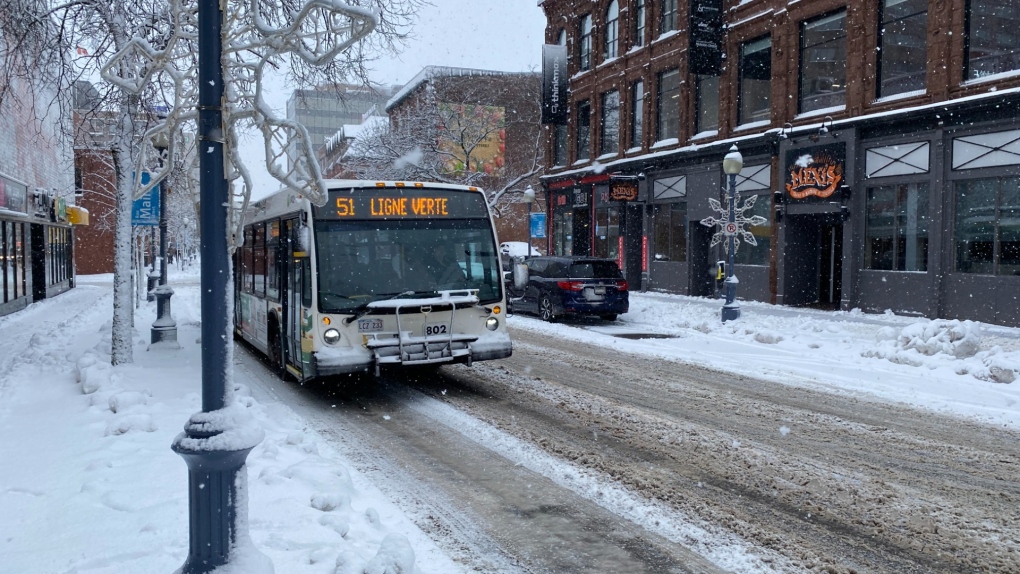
(123,296)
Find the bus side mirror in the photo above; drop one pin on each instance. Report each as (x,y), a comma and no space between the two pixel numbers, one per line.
(520,275)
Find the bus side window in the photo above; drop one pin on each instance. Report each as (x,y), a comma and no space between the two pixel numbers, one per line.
(306,282)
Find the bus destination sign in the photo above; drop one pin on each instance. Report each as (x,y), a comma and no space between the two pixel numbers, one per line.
(372,203)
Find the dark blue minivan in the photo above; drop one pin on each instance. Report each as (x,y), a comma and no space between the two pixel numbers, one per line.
(554,286)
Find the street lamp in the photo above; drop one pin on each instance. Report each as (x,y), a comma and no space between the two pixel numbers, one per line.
(732,164)
(529,198)
(186,243)
(164,328)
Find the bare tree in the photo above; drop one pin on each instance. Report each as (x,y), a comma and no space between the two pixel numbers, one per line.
(145,50)
(460,126)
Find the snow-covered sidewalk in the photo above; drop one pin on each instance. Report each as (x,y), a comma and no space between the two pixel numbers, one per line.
(89,483)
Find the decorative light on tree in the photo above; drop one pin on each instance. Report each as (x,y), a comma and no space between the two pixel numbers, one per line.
(214,57)
(320,31)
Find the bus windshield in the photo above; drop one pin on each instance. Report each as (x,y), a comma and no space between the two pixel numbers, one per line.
(363,261)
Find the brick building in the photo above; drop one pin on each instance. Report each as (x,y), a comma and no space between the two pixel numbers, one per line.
(881,139)
(477,126)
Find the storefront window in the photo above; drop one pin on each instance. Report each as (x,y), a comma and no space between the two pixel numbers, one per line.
(668,105)
(903,46)
(669,221)
(986,231)
(607,232)
(12,248)
(896,228)
(993,41)
(5,258)
(610,142)
(755,80)
(563,230)
(707,102)
(748,254)
(823,62)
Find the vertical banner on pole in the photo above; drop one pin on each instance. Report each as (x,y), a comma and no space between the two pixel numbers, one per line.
(537,225)
(145,209)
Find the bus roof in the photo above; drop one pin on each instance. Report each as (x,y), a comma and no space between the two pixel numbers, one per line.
(344,183)
(287,200)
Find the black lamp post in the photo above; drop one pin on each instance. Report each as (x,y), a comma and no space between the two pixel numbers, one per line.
(529,198)
(152,279)
(164,328)
(214,446)
(732,164)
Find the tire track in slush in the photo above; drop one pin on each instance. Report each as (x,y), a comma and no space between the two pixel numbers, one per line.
(837,484)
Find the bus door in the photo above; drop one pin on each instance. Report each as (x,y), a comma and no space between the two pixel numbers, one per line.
(290,294)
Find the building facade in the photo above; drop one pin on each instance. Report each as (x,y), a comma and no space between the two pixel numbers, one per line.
(36,246)
(476,126)
(881,140)
(325,110)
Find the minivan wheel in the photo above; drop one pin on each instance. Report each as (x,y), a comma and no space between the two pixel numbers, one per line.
(545,309)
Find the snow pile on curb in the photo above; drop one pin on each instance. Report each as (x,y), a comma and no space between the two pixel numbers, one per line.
(919,343)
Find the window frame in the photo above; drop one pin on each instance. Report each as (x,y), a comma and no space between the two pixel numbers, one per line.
(559,142)
(699,80)
(672,207)
(660,125)
(968,47)
(668,16)
(639,23)
(584,43)
(802,79)
(743,95)
(637,114)
(897,182)
(883,52)
(583,108)
(607,136)
(611,38)
(996,256)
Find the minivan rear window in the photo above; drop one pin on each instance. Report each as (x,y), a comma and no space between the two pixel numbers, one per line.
(594,270)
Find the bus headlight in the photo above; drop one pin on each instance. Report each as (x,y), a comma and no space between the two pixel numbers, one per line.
(331,336)
(492,323)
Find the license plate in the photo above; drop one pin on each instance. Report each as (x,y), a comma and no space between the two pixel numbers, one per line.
(600,290)
(369,325)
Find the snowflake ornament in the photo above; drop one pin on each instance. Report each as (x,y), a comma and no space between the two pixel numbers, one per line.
(736,228)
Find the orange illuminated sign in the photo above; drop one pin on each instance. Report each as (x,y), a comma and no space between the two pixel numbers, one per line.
(816,173)
(403,203)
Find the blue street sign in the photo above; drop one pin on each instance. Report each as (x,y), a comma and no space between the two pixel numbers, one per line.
(145,209)
(538,225)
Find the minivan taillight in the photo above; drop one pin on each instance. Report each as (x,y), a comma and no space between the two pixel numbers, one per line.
(622,285)
(570,285)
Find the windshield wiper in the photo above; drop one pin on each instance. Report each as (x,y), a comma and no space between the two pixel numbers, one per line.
(362,309)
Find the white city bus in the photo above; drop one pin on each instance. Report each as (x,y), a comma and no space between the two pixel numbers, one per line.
(360,283)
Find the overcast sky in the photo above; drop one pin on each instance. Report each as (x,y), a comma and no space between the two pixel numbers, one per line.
(504,35)
(501,35)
